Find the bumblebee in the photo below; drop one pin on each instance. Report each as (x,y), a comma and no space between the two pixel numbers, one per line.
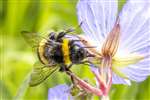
(58,51)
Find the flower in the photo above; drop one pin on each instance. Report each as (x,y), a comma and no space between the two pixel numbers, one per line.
(60,92)
(122,43)
(122,39)
(65,92)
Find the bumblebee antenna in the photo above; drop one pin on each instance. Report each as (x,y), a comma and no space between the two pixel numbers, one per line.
(80,24)
(73,29)
(69,30)
(89,47)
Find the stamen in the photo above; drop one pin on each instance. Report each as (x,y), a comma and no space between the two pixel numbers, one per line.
(84,85)
(109,49)
(110,46)
(106,73)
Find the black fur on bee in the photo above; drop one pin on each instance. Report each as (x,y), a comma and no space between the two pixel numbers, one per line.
(65,54)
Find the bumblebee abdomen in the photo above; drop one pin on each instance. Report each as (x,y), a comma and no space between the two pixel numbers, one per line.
(57,54)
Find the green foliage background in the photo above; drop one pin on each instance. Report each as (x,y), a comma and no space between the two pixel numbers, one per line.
(17,57)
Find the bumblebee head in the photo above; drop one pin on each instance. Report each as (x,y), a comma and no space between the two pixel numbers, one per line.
(82,52)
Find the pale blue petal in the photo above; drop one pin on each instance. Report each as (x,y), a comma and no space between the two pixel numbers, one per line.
(94,69)
(134,23)
(134,75)
(135,37)
(60,92)
(97,17)
(118,80)
(139,71)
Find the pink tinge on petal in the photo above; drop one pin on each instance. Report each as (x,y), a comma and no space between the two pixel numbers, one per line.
(101,83)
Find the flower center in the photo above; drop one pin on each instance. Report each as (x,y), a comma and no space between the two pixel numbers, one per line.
(108,51)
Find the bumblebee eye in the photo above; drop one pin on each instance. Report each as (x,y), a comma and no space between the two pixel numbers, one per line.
(81,51)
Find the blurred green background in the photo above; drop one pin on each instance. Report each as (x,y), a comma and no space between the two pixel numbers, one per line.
(17,57)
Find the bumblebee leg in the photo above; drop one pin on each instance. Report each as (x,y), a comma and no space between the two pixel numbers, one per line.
(64,68)
(69,66)
(75,45)
(69,30)
(86,62)
(60,35)
(73,29)
(48,65)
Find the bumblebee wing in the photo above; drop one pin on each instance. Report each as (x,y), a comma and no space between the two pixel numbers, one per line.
(40,73)
(31,38)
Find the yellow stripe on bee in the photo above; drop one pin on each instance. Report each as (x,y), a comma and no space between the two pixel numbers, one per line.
(66,51)
(41,50)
